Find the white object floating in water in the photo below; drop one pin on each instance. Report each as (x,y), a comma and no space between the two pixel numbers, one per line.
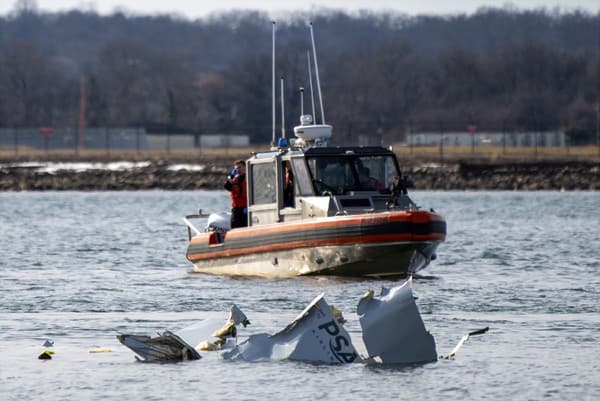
(166,347)
(184,344)
(393,330)
(212,328)
(314,336)
(452,353)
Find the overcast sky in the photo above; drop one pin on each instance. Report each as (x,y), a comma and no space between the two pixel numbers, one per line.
(199,8)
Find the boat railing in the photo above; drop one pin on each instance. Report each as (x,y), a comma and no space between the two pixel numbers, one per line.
(191,227)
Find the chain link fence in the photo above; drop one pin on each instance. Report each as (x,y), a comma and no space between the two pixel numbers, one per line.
(429,144)
(24,139)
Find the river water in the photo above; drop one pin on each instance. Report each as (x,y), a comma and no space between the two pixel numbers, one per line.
(79,267)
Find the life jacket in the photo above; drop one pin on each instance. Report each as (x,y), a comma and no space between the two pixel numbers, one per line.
(237,190)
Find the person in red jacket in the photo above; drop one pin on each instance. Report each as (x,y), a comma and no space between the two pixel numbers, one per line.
(236,185)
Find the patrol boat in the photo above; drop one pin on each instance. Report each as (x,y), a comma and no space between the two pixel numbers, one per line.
(347,213)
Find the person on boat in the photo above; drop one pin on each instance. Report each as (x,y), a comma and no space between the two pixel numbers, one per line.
(288,188)
(366,181)
(236,185)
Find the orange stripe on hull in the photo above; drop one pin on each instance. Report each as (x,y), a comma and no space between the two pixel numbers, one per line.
(358,240)
(419,217)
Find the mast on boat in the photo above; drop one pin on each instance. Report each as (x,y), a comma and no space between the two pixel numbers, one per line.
(314,48)
(312,93)
(282,109)
(273,142)
(308,133)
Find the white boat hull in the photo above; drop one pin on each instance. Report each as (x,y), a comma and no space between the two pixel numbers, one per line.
(376,260)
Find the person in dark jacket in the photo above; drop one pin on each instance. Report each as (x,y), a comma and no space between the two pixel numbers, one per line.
(288,188)
(236,185)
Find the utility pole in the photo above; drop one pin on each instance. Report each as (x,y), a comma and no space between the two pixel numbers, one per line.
(442,138)
(598,126)
(81,115)
(410,137)
(598,89)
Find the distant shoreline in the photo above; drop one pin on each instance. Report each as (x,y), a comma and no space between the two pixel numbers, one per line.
(210,173)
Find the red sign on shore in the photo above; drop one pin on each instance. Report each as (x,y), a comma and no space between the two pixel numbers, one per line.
(472,129)
(46,132)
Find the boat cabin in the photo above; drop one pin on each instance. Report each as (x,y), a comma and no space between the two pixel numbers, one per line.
(326,181)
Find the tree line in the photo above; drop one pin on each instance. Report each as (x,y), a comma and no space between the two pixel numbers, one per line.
(382,74)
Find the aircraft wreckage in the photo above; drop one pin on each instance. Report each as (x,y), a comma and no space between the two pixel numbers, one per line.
(393,332)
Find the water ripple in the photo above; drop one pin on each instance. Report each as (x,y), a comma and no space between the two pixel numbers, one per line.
(80,267)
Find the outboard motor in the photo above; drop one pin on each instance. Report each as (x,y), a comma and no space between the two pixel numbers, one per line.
(219,222)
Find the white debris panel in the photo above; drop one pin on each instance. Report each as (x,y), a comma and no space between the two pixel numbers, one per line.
(314,336)
(392,328)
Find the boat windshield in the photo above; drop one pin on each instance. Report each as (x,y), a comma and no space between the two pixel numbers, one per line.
(339,174)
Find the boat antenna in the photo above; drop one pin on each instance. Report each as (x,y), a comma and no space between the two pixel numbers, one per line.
(312,36)
(301,101)
(273,84)
(282,109)
(312,93)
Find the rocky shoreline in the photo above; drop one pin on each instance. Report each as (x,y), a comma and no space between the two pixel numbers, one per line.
(531,176)
(165,175)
